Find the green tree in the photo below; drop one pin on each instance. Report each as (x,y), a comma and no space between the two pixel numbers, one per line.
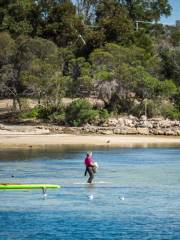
(143,40)
(167,88)
(147,10)
(80,73)
(177,99)
(44,81)
(171,63)
(101,60)
(111,56)
(33,70)
(63,26)
(14,17)
(8,84)
(40,71)
(86,9)
(175,37)
(7,49)
(94,38)
(113,19)
(55,20)
(8,74)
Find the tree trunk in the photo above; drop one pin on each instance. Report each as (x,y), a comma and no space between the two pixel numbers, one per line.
(14,104)
(19,103)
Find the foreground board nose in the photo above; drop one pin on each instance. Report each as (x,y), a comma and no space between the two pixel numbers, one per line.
(11,186)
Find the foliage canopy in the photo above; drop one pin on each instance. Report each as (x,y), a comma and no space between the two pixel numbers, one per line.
(87,48)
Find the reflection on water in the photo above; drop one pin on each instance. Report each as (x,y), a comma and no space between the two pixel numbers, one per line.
(136,195)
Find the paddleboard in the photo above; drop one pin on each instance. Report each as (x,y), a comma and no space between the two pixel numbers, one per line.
(7,186)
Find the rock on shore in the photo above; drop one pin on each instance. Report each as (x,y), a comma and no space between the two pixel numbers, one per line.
(132,125)
(114,126)
(23,130)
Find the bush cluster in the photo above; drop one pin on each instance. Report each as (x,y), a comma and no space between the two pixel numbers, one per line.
(78,113)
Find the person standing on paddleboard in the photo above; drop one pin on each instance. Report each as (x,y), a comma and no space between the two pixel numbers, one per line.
(90,167)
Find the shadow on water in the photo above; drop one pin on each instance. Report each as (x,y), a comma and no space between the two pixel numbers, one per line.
(60,152)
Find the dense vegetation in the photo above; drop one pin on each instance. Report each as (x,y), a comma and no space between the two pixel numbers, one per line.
(50,49)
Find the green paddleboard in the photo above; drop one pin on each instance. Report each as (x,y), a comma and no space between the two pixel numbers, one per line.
(6,186)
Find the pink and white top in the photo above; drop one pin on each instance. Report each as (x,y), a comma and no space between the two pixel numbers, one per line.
(88,161)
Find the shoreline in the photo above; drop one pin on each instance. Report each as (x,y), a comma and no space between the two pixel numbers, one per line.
(68,140)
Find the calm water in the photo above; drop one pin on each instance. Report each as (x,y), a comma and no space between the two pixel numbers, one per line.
(136,195)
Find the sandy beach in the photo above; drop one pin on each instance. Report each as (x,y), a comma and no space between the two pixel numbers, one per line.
(39,140)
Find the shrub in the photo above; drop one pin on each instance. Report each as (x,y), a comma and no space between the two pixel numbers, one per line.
(177,99)
(103,115)
(153,108)
(45,112)
(34,113)
(169,111)
(24,104)
(173,115)
(54,114)
(81,112)
(77,113)
(58,117)
(162,108)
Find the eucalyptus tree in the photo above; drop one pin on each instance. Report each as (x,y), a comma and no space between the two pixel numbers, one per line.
(7,48)
(15,16)
(55,20)
(170,62)
(86,9)
(9,86)
(41,74)
(62,24)
(44,82)
(112,17)
(123,74)
(175,37)
(81,79)
(150,10)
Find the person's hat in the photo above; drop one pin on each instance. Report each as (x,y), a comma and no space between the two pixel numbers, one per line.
(89,153)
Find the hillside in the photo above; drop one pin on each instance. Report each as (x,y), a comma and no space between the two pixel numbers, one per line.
(110,50)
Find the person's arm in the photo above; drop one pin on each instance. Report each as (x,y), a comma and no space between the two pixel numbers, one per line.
(92,163)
